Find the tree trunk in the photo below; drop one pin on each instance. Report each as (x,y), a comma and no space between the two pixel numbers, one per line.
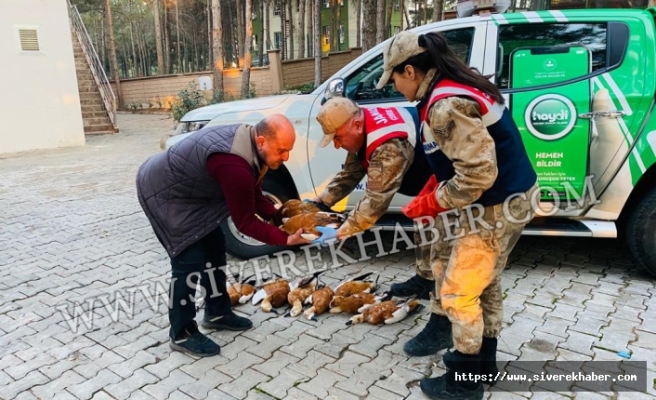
(438,6)
(158,38)
(246,72)
(290,18)
(268,23)
(167,41)
(103,49)
(177,34)
(388,18)
(260,44)
(402,12)
(283,29)
(112,52)
(368,24)
(229,43)
(334,25)
(317,43)
(380,21)
(301,29)
(358,22)
(309,18)
(240,32)
(217,45)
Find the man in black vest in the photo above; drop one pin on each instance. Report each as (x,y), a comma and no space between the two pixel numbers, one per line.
(187,191)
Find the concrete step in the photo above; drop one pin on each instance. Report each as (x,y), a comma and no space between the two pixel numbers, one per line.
(84,103)
(96,121)
(90,96)
(93,114)
(93,108)
(99,129)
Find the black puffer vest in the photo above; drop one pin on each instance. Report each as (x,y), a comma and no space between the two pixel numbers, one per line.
(181,199)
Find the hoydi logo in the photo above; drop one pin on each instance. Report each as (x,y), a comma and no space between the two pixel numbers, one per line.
(549,64)
(550,117)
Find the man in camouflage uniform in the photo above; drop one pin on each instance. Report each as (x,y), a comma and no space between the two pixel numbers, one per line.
(381,145)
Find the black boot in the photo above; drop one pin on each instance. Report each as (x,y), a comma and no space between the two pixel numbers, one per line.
(191,341)
(229,321)
(488,360)
(435,337)
(457,383)
(421,287)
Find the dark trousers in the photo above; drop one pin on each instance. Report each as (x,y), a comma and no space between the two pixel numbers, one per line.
(202,260)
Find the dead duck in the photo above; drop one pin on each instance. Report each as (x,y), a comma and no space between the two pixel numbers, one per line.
(358,284)
(302,288)
(352,304)
(309,222)
(273,294)
(387,312)
(291,208)
(241,291)
(320,300)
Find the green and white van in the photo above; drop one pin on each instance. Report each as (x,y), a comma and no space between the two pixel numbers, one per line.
(580,85)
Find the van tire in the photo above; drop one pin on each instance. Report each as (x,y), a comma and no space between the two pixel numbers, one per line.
(641,232)
(241,246)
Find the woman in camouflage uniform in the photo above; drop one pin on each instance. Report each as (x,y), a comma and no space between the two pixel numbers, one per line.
(483,186)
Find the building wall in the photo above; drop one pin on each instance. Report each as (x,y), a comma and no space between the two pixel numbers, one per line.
(40,103)
(158,92)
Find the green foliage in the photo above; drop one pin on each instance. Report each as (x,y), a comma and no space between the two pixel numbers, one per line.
(190,99)
(251,92)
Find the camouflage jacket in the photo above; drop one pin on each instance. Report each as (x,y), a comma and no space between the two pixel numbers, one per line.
(387,166)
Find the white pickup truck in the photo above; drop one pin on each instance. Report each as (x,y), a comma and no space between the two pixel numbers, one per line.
(580,85)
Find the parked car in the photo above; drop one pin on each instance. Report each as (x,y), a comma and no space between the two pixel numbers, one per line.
(580,85)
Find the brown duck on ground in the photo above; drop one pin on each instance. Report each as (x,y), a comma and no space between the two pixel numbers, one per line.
(352,304)
(320,301)
(302,288)
(241,291)
(273,294)
(387,312)
(358,284)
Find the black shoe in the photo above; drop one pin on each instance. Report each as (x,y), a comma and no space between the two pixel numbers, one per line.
(488,353)
(418,286)
(452,387)
(196,344)
(435,337)
(229,321)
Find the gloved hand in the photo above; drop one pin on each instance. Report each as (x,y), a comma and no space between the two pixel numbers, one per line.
(327,234)
(425,203)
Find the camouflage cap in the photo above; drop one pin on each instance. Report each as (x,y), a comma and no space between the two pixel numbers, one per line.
(402,46)
(333,114)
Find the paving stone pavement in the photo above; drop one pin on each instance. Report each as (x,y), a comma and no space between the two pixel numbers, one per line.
(73,233)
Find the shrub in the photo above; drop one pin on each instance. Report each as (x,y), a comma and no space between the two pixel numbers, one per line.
(190,99)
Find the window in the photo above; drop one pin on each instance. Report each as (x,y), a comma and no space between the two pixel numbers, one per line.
(276,7)
(326,3)
(254,41)
(341,34)
(277,39)
(361,85)
(397,30)
(592,36)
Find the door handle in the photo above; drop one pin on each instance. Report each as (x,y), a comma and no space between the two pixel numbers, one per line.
(599,114)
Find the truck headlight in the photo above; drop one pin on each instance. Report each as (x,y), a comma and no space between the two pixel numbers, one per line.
(186,127)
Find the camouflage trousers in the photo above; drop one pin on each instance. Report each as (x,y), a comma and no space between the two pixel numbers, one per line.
(466,259)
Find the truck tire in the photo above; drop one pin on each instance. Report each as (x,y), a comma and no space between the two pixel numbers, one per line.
(641,232)
(244,247)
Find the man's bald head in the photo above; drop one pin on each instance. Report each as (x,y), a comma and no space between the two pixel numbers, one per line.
(275,139)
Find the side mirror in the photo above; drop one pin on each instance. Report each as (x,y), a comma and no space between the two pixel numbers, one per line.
(335,88)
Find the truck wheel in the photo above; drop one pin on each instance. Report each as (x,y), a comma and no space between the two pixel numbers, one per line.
(641,232)
(244,247)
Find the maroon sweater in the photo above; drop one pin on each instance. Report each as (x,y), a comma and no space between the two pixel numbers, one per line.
(244,198)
